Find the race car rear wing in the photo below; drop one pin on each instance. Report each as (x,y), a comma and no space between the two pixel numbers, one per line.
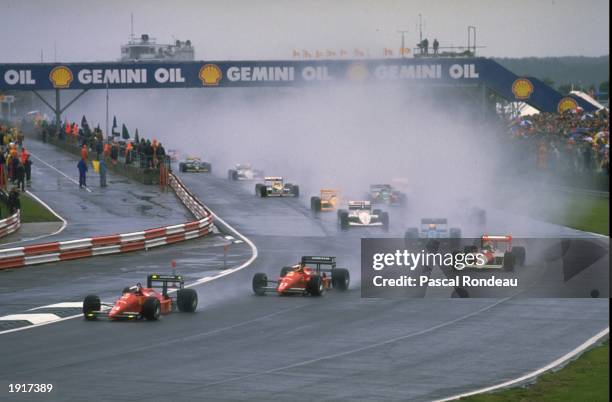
(319,262)
(273,178)
(165,282)
(434,221)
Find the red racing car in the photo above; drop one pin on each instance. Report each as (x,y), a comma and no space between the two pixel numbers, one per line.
(313,275)
(138,302)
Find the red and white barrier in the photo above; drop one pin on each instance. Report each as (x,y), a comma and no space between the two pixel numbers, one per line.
(10,224)
(118,243)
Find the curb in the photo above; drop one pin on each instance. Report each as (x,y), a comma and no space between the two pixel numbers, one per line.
(118,243)
(11,224)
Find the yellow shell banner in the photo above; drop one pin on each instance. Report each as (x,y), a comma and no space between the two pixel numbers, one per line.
(210,74)
(61,77)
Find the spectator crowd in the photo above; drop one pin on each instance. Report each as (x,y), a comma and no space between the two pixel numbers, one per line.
(571,142)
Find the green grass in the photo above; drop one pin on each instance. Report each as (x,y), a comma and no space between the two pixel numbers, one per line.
(31,211)
(584,212)
(585,379)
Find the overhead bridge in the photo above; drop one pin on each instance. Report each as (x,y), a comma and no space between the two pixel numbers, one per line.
(452,72)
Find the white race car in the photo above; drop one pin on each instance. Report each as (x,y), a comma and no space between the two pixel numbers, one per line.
(244,171)
(360,213)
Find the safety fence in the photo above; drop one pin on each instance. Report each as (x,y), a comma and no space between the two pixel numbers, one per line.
(118,243)
(10,224)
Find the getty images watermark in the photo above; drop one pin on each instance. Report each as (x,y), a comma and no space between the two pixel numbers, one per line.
(489,266)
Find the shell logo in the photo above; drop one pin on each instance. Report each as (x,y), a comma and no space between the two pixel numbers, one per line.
(357,72)
(210,74)
(61,77)
(566,104)
(522,88)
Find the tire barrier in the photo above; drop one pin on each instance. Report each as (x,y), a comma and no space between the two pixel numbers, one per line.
(119,243)
(11,224)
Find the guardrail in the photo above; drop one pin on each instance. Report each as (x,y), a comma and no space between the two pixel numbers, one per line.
(118,243)
(10,224)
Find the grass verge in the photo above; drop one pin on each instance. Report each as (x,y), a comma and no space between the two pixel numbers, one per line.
(31,211)
(585,212)
(585,379)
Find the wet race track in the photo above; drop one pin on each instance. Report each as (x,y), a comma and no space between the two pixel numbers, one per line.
(240,346)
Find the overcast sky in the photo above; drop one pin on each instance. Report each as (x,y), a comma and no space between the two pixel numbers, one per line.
(82,30)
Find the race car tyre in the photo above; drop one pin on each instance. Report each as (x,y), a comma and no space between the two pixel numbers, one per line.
(519,255)
(378,212)
(232,174)
(285,271)
(385,221)
(411,233)
(263,191)
(344,220)
(187,300)
(295,190)
(258,189)
(315,204)
(91,303)
(260,281)
(508,262)
(208,167)
(182,167)
(315,286)
(151,309)
(341,278)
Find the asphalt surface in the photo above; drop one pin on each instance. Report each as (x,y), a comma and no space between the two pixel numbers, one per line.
(122,207)
(239,346)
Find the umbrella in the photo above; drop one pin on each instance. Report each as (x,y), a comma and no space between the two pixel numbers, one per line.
(136,136)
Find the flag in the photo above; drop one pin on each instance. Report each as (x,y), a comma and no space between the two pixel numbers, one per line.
(343,53)
(84,123)
(318,54)
(331,53)
(359,53)
(404,51)
(307,54)
(296,54)
(387,52)
(113,132)
(124,132)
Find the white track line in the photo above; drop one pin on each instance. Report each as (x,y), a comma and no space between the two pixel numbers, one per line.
(59,171)
(37,318)
(563,359)
(60,305)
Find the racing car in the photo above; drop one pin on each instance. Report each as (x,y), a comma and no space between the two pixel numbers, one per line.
(327,201)
(386,194)
(360,213)
(138,302)
(313,275)
(434,230)
(274,186)
(194,164)
(244,172)
(498,252)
